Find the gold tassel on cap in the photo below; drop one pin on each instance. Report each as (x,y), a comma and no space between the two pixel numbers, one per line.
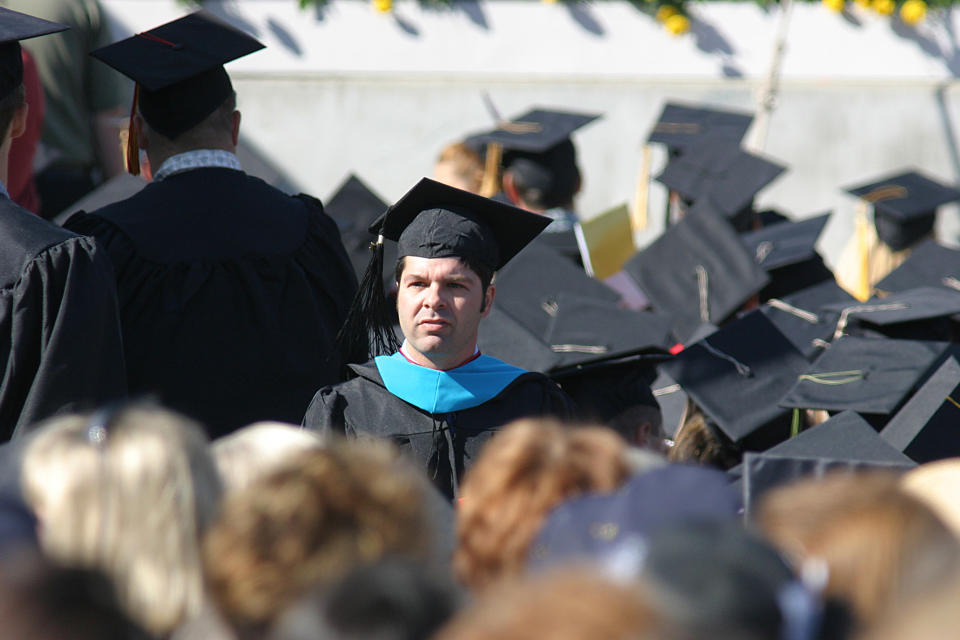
(490,184)
(638,217)
(133,146)
(863,284)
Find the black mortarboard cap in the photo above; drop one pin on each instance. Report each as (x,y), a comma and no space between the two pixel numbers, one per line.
(354,207)
(672,400)
(178,68)
(762,472)
(737,376)
(904,206)
(845,436)
(716,172)
(929,264)
(867,375)
(697,270)
(787,251)
(800,316)
(927,428)
(920,313)
(680,125)
(14,27)
(529,286)
(585,325)
(434,220)
(506,338)
(537,130)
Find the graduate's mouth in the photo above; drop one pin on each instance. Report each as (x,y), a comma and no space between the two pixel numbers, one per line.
(434,323)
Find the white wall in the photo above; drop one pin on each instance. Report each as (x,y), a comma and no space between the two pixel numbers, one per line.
(348,89)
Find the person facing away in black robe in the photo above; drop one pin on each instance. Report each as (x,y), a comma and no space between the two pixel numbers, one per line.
(231,292)
(60,346)
(437,396)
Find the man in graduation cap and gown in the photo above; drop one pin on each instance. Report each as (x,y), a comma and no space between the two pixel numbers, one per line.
(60,346)
(231,292)
(437,396)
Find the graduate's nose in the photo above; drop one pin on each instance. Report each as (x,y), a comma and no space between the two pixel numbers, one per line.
(432,297)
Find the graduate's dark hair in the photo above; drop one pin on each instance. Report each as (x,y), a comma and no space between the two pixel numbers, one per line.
(9,105)
(483,272)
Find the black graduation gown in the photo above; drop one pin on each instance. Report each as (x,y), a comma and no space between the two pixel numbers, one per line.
(60,346)
(363,407)
(231,295)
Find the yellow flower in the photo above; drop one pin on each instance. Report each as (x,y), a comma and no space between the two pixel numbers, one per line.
(913,11)
(383,6)
(884,7)
(834,5)
(677,24)
(666,11)
(865,4)
(550,1)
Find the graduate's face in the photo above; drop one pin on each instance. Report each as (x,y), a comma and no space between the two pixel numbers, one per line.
(440,302)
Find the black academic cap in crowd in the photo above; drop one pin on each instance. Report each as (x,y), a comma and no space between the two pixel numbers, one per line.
(504,337)
(929,264)
(904,206)
(845,436)
(921,313)
(178,68)
(672,400)
(762,472)
(719,173)
(529,286)
(801,317)
(589,527)
(737,376)
(14,27)
(787,251)
(697,270)
(681,125)
(927,428)
(582,324)
(867,375)
(354,207)
(537,130)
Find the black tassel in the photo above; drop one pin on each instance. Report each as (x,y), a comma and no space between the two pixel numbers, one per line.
(369,324)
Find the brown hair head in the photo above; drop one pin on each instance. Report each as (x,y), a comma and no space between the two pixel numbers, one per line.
(523,472)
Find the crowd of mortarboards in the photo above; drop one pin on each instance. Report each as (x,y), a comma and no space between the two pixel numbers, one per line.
(225,422)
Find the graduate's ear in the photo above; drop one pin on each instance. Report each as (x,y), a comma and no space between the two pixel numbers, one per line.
(488,297)
(510,189)
(235,127)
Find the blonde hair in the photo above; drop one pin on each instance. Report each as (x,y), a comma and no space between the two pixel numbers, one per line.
(464,165)
(131,500)
(310,522)
(880,544)
(936,484)
(572,604)
(523,472)
(257,450)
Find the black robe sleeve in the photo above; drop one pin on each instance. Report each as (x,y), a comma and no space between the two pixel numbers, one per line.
(60,326)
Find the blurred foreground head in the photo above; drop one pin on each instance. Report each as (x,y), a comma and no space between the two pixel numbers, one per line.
(310,523)
(566,605)
(128,492)
(39,601)
(880,545)
(527,469)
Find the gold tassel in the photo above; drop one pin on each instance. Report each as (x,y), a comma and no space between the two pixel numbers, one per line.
(133,146)
(638,219)
(863,284)
(490,184)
